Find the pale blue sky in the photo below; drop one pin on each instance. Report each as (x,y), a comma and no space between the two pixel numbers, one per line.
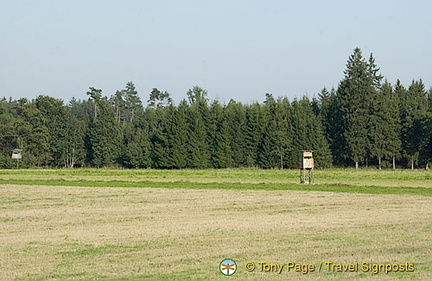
(235,49)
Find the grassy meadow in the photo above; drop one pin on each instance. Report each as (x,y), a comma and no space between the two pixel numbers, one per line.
(89,224)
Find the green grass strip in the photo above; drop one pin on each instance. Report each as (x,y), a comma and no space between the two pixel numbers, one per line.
(244,186)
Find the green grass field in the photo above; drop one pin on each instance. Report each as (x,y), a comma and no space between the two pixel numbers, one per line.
(88,224)
(338,180)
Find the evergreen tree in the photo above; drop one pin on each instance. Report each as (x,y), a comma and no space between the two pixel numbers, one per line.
(308,134)
(385,125)
(119,105)
(158,98)
(284,131)
(221,153)
(236,124)
(268,154)
(8,138)
(197,95)
(179,132)
(277,144)
(356,94)
(31,133)
(426,150)
(96,95)
(333,125)
(198,146)
(373,72)
(53,115)
(254,130)
(414,107)
(132,100)
(138,150)
(105,136)
(164,137)
(363,120)
(426,144)
(75,152)
(268,157)
(161,139)
(78,146)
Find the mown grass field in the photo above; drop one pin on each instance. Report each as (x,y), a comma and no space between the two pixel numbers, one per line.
(179,225)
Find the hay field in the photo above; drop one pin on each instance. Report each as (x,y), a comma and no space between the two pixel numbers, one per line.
(141,233)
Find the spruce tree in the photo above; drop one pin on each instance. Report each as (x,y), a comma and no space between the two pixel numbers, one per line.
(159,138)
(356,94)
(414,107)
(53,115)
(426,150)
(268,157)
(179,135)
(284,131)
(138,150)
(170,141)
(253,133)
(308,134)
(236,123)
(333,125)
(105,136)
(221,153)
(268,154)
(385,125)
(426,144)
(198,145)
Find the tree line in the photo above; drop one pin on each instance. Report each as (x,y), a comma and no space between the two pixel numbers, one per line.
(365,121)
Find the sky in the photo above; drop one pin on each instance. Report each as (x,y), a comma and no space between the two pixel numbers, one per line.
(235,49)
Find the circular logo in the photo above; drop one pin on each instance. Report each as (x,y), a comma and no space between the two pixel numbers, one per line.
(228,267)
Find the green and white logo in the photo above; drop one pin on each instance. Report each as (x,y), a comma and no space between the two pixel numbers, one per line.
(228,267)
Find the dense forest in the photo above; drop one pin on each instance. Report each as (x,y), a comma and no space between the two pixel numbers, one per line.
(365,121)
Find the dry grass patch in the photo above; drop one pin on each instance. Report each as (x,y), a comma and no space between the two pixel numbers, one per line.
(82,233)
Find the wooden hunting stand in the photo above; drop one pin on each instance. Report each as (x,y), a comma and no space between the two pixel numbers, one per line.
(16,154)
(306,167)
